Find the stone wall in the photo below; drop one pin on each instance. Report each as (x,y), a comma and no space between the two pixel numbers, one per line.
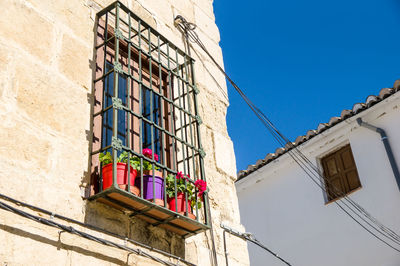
(46,66)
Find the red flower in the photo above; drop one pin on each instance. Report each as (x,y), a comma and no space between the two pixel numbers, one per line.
(201,186)
(149,153)
(179,175)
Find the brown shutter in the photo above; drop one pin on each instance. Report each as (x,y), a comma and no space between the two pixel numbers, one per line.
(340,173)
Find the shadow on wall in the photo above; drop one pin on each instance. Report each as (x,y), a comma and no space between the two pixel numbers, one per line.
(113,220)
(59,245)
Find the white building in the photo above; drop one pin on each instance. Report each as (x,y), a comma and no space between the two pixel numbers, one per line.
(292,216)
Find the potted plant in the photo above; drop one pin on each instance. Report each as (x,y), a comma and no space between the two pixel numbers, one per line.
(148,177)
(122,171)
(177,199)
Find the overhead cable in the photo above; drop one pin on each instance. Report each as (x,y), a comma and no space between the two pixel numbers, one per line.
(305,164)
(72,230)
(247,237)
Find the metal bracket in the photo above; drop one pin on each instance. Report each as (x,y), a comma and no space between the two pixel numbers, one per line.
(118,68)
(116,143)
(198,118)
(117,103)
(196,90)
(118,34)
(202,153)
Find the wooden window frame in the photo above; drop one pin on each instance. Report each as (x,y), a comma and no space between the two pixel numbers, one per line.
(340,174)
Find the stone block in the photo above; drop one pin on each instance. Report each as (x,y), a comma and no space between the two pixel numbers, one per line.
(163,14)
(29,243)
(212,111)
(73,15)
(74,61)
(141,11)
(184,8)
(224,154)
(19,144)
(49,100)
(211,45)
(24,26)
(206,6)
(210,78)
(206,24)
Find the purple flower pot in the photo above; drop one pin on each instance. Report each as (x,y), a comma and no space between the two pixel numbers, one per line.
(148,187)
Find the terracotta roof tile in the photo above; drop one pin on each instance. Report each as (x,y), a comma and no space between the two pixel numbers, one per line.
(371,100)
(311,133)
(299,140)
(334,120)
(385,93)
(346,114)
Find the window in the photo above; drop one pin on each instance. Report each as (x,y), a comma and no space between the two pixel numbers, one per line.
(145,99)
(340,173)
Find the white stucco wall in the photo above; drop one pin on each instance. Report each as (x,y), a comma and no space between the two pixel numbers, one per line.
(287,212)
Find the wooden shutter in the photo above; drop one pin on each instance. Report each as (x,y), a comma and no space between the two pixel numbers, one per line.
(340,173)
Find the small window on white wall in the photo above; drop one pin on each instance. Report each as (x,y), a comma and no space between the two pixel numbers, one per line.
(340,173)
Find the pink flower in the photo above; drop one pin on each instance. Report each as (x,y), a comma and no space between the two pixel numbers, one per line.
(179,175)
(201,186)
(149,153)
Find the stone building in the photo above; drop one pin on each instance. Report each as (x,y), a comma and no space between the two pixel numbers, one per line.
(53,207)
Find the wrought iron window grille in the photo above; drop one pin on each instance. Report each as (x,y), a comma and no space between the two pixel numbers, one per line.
(145,99)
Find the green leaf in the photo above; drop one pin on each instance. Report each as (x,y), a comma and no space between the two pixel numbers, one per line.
(105,158)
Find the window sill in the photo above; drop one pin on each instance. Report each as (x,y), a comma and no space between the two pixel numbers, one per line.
(152,213)
(348,193)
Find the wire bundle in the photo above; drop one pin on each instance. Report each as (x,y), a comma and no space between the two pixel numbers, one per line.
(372,225)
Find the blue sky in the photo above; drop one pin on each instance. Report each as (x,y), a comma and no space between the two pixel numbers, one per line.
(302,62)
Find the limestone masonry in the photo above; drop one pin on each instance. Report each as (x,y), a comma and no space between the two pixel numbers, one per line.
(46,85)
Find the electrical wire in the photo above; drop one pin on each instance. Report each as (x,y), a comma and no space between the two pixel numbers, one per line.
(72,230)
(247,237)
(306,165)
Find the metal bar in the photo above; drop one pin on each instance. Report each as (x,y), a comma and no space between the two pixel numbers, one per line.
(172,116)
(106,9)
(128,103)
(164,39)
(115,110)
(102,112)
(104,43)
(166,221)
(105,75)
(191,139)
(141,110)
(163,155)
(151,118)
(160,95)
(183,147)
(207,210)
(142,211)
(103,103)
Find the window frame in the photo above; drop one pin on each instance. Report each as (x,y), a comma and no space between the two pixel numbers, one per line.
(341,171)
(181,92)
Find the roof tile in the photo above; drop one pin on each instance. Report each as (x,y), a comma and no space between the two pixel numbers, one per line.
(346,114)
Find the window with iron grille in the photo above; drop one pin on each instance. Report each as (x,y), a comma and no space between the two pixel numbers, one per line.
(340,173)
(145,116)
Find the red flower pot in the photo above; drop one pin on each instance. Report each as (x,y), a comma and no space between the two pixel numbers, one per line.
(122,177)
(181,202)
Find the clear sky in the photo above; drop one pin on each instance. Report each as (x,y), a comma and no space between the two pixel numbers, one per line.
(302,62)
